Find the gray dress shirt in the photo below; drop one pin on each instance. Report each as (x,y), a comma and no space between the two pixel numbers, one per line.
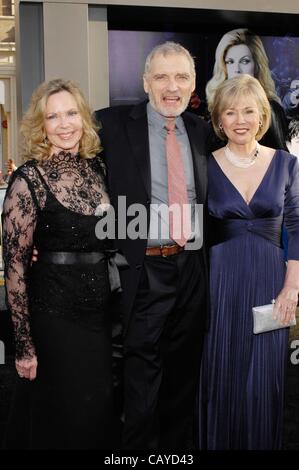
(158,234)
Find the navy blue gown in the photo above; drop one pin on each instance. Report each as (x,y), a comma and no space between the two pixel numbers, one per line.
(242,376)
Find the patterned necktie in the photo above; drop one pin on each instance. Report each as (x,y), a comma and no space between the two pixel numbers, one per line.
(180,215)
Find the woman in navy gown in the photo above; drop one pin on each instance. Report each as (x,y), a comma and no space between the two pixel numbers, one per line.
(253,189)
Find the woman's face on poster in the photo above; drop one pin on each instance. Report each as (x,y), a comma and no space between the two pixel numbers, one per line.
(238,59)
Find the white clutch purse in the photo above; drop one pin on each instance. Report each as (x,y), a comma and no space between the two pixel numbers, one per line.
(263,319)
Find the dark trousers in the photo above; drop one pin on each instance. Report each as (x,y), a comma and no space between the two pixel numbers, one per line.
(162,350)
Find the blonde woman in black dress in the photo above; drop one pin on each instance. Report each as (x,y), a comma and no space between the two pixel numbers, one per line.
(59,305)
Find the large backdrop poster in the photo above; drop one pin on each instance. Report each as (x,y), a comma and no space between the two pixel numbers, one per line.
(128,50)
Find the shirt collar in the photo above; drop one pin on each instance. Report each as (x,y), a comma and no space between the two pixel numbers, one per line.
(156,120)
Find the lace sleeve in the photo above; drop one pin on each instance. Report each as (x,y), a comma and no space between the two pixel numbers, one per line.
(19,221)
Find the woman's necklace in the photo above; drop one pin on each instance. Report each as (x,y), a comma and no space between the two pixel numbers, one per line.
(242,162)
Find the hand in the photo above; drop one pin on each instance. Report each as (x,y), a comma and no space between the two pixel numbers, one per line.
(26,368)
(285,305)
(34,256)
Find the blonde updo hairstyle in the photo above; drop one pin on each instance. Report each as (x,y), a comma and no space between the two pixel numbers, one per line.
(34,142)
(230,91)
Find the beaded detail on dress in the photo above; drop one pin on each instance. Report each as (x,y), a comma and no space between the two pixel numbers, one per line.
(46,205)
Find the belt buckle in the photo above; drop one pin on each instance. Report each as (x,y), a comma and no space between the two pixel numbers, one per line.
(164,251)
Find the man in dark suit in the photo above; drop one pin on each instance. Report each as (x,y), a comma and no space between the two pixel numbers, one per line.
(165,287)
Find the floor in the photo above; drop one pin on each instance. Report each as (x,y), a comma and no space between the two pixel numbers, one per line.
(291,421)
(291,418)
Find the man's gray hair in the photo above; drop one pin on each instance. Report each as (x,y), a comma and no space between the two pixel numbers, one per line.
(165,49)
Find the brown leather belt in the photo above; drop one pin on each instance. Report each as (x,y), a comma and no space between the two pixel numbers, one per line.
(165,251)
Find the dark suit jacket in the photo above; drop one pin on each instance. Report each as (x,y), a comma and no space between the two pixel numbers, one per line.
(124,136)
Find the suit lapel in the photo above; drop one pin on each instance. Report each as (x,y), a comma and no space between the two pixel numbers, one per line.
(137,128)
(197,144)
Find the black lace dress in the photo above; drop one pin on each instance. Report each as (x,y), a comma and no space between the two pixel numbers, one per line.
(60,311)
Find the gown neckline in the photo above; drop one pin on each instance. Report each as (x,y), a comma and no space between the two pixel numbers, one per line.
(258,187)
(55,198)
